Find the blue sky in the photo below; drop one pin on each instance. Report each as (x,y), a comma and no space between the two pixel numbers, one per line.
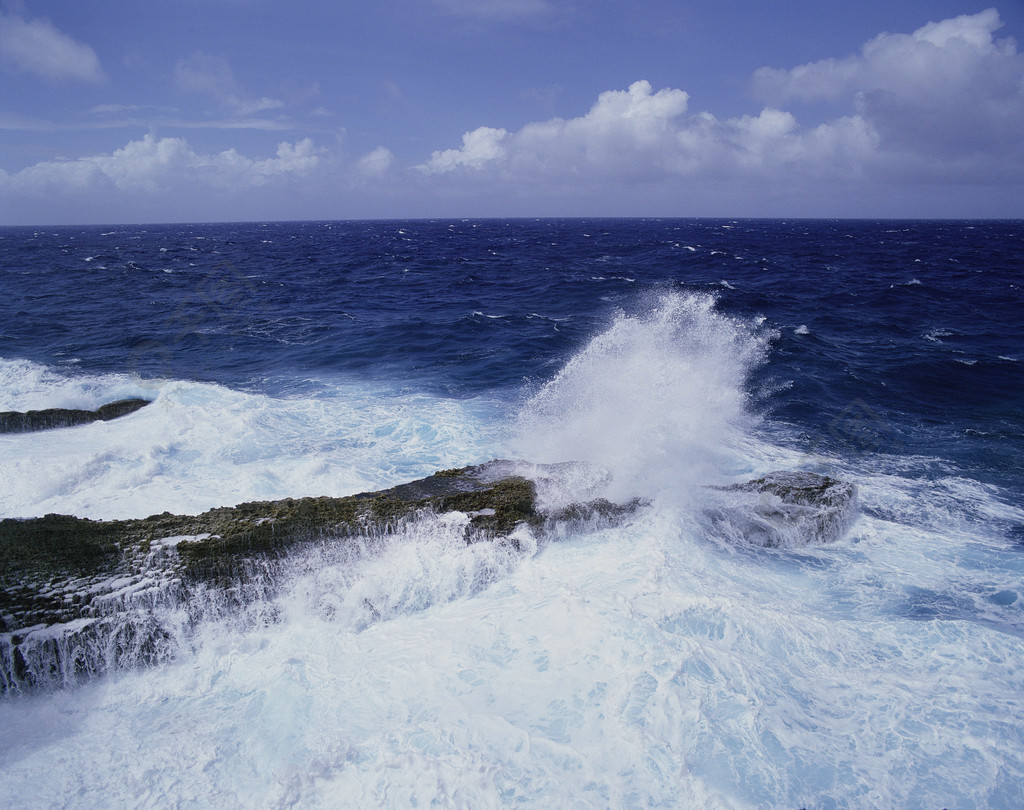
(212,110)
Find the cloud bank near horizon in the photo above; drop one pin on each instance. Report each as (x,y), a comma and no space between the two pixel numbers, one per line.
(941,107)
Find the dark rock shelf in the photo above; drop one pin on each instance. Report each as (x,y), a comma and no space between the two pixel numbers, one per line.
(52,418)
(80,596)
(786,509)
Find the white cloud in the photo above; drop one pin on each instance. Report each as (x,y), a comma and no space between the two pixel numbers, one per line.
(479,147)
(376,163)
(941,108)
(37,47)
(298,159)
(638,135)
(211,75)
(945,103)
(949,90)
(939,56)
(827,79)
(975,30)
(156,165)
(625,132)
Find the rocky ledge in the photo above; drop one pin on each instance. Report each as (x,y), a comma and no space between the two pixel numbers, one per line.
(80,596)
(51,418)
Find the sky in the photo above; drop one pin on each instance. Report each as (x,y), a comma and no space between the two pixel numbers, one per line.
(240,110)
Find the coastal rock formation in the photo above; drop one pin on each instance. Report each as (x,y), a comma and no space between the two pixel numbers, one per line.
(785,508)
(79,596)
(50,418)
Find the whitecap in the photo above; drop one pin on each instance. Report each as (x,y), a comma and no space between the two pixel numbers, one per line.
(936,335)
(201,445)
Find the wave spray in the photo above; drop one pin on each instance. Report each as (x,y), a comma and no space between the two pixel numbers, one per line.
(656,400)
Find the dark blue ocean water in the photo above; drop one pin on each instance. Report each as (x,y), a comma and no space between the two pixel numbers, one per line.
(668,661)
(894,335)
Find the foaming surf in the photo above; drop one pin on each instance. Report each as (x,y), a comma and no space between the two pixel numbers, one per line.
(659,399)
(656,663)
(201,445)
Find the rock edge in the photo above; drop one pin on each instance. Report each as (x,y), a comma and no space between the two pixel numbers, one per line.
(80,596)
(53,418)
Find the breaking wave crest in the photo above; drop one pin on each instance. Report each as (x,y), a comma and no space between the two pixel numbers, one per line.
(657,399)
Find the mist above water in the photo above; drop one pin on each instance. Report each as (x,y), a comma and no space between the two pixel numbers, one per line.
(658,399)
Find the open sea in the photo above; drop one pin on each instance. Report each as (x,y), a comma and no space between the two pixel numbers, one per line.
(664,662)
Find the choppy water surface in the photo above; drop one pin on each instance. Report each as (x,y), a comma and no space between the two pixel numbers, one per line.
(661,663)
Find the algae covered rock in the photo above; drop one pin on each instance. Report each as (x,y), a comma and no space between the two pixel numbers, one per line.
(79,597)
(53,567)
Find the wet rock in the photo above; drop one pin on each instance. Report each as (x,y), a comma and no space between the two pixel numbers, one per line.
(79,596)
(51,418)
(785,508)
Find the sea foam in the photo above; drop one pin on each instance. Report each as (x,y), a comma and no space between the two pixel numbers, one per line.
(658,398)
(202,445)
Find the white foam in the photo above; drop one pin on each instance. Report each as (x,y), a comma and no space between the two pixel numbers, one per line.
(936,335)
(630,667)
(26,386)
(201,445)
(657,399)
(649,665)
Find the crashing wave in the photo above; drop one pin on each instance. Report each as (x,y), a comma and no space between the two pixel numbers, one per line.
(79,597)
(785,509)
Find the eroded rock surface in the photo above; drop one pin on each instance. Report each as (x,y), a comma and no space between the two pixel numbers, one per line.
(79,597)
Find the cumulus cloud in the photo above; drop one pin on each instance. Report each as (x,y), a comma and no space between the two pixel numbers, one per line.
(212,76)
(945,102)
(955,50)
(480,147)
(37,47)
(941,107)
(627,132)
(949,90)
(639,135)
(161,164)
(376,163)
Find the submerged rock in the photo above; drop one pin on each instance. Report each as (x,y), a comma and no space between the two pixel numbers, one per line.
(79,596)
(786,508)
(51,418)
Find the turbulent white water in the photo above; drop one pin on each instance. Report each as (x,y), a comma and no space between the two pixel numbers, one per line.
(658,399)
(200,445)
(655,664)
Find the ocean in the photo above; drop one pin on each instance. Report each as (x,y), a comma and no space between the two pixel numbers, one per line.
(665,661)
